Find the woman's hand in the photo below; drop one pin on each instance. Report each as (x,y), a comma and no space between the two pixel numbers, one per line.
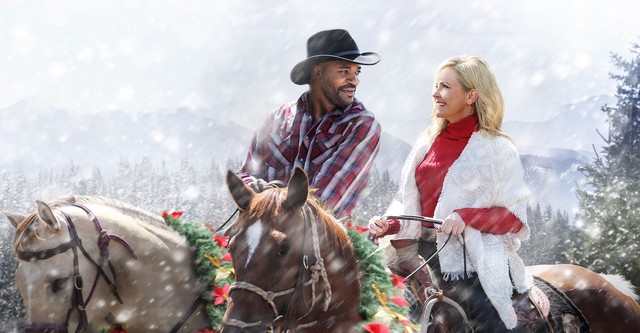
(453,224)
(378,226)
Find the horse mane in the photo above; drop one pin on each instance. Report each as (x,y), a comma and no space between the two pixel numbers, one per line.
(125,208)
(22,230)
(271,203)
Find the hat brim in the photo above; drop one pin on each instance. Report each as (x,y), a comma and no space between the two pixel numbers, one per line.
(301,72)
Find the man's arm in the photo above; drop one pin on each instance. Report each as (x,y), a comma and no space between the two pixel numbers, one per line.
(251,164)
(253,167)
(343,176)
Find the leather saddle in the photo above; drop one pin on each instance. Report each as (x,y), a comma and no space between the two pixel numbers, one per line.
(532,308)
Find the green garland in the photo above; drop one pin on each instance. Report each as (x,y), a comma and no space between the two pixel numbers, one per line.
(377,307)
(374,273)
(203,240)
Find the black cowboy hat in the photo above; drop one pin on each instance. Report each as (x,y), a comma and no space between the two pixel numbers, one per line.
(330,45)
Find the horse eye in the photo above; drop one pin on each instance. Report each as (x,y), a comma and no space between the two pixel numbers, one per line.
(283,250)
(59,284)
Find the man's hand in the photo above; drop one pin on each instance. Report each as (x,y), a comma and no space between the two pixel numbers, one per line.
(258,185)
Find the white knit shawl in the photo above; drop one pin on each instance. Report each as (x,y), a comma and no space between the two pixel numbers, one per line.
(487,174)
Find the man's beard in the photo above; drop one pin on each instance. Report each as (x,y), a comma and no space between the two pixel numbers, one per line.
(333,95)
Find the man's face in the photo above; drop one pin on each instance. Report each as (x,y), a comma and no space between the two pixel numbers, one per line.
(338,81)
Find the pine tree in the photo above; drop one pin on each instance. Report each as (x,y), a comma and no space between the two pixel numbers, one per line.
(610,204)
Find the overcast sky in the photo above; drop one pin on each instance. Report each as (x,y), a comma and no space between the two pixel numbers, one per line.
(233,58)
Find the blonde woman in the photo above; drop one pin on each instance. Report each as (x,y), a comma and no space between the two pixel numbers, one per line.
(466,171)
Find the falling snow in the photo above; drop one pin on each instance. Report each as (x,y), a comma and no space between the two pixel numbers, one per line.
(152,103)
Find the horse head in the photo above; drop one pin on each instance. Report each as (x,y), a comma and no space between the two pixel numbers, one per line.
(291,259)
(72,280)
(45,279)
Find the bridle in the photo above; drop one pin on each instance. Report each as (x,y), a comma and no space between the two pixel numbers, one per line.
(77,302)
(317,272)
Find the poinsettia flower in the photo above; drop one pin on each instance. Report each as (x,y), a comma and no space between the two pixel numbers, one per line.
(349,224)
(220,295)
(226,257)
(361,229)
(398,281)
(176,215)
(165,215)
(377,328)
(222,241)
(399,301)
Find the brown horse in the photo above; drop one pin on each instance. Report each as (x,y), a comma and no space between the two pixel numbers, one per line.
(608,302)
(295,266)
(86,263)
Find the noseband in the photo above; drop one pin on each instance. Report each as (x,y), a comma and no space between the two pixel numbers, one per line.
(77,301)
(317,270)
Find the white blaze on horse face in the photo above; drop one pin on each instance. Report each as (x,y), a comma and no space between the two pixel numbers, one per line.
(253,239)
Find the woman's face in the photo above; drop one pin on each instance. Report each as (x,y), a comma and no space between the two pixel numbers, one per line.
(450,100)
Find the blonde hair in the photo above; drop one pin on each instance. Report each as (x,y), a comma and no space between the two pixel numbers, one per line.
(474,73)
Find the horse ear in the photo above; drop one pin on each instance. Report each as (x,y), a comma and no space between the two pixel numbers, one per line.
(240,192)
(14,218)
(46,214)
(297,190)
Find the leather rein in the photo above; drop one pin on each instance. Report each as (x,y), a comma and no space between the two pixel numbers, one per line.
(437,295)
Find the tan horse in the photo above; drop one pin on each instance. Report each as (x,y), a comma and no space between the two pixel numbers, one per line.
(295,265)
(73,250)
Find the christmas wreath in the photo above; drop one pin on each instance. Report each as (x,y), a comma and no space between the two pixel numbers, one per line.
(381,300)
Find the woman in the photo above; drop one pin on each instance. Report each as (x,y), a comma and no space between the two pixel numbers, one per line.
(467,172)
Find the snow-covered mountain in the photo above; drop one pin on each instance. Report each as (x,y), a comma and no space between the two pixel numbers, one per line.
(36,137)
(51,138)
(575,127)
(553,149)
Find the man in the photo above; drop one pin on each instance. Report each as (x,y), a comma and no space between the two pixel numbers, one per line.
(327,131)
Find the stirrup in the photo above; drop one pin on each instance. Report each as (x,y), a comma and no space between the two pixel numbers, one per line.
(439,297)
(532,309)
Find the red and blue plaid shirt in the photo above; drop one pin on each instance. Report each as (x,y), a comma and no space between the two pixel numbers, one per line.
(336,152)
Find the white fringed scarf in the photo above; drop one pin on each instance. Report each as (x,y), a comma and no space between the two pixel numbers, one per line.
(487,174)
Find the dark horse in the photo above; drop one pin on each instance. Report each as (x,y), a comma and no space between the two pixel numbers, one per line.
(607,302)
(294,263)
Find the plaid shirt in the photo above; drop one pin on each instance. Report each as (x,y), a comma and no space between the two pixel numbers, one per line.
(336,152)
